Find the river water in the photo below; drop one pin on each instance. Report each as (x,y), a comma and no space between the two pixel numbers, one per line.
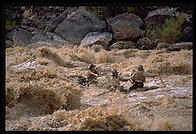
(43,93)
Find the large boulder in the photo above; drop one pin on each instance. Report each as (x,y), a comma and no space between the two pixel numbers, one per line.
(131,18)
(159,16)
(126,26)
(97,38)
(77,25)
(124,30)
(55,22)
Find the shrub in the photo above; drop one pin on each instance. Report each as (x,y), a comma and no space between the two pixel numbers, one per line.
(9,23)
(170,32)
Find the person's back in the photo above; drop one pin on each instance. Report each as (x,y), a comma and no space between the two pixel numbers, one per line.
(138,78)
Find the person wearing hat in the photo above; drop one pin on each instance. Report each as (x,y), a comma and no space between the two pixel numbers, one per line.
(138,77)
(114,82)
(92,73)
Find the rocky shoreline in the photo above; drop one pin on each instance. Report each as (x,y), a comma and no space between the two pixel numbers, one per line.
(79,26)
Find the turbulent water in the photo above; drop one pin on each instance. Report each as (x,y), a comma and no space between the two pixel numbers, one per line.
(43,93)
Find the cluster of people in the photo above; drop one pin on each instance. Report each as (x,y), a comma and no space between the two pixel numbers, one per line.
(137,79)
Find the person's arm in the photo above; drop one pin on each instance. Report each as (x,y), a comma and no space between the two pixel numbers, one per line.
(147,74)
(123,79)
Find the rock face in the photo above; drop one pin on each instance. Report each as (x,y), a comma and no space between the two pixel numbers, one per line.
(77,25)
(97,38)
(158,17)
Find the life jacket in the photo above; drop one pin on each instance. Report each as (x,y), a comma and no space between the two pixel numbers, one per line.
(139,77)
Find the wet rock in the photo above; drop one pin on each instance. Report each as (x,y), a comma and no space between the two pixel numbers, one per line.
(98,38)
(131,18)
(175,47)
(158,17)
(123,45)
(146,43)
(162,45)
(183,45)
(28,65)
(77,25)
(21,37)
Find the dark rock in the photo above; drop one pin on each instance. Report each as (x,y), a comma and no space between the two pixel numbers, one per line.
(39,37)
(77,25)
(175,47)
(124,30)
(146,43)
(57,20)
(131,18)
(97,38)
(163,45)
(123,45)
(21,37)
(158,17)
(183,45)
(187,34)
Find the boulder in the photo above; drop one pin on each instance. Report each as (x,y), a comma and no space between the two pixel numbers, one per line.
(146,43)
(124,30)
(158,17)
(175,47)
(123,45)
(162,45)
(54,23)
(183,45)
(97,38)
(77,25)
(21,37)
(130,17)
(126,26)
